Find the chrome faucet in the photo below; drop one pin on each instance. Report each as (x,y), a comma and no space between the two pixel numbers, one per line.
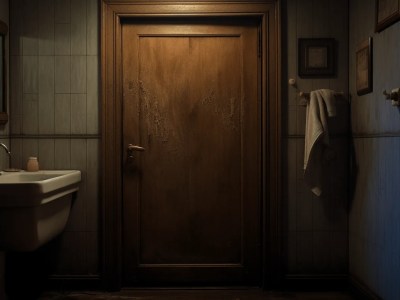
(7,151)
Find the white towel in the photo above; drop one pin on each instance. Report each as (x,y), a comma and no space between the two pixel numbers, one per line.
(321,106)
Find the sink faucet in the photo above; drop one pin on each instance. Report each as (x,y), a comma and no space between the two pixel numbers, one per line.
(7,151)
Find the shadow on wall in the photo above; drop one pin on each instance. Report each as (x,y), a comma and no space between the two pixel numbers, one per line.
(27,272)
(353,166)
(335,166)
(353,172)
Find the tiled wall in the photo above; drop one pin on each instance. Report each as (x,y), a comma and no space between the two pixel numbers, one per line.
(54,115)
(374,223)
(4,16)
(317,226)
(54,94)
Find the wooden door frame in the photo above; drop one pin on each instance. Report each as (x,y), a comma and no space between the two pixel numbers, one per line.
(113,12)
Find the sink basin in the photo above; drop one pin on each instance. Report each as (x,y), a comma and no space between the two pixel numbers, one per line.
(34,206)
(34,188)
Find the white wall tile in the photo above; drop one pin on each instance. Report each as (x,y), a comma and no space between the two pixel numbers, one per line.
(30,74)
(16,27)
(78,73)
(16,85)
(16,154)
(62,112)
(93,95)
(16,124)
(46,114)
(78,162)
(30,114)
(62,11)
(46,27)
(92,27)
(62,38)
(78,27)
(78,113)
(63,74)
(46,75)
(62,157)
(30,42)
(78,156)
(46,154)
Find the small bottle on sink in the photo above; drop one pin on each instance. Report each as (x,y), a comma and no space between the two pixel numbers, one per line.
(32,164)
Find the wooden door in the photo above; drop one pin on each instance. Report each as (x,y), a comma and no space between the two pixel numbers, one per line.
(192,198)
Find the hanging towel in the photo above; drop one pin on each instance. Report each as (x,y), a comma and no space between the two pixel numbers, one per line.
(321,106)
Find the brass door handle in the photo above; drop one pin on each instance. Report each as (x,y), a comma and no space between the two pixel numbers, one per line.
(132,148)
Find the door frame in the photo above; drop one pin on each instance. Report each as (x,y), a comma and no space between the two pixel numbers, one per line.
(113,13)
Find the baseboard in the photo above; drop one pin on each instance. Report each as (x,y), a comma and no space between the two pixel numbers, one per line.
(72,282)
(315,282)
(360,290)
(297,282)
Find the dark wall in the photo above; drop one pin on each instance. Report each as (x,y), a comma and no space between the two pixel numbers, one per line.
(317,226)
(374,223)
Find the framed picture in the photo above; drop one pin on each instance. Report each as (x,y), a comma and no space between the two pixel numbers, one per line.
(364,67)
(387,13)
(316,57)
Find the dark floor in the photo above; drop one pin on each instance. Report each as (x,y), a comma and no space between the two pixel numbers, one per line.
(198,295)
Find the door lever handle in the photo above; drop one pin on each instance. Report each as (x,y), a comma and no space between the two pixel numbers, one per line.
(132,148)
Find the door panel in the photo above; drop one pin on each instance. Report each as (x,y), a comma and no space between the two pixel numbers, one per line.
(191,207)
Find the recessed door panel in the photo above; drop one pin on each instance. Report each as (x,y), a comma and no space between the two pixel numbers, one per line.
(191,207)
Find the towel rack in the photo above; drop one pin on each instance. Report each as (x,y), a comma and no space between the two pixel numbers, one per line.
(305,97)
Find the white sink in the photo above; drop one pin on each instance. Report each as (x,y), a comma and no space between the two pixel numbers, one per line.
(34,188)
(34,207)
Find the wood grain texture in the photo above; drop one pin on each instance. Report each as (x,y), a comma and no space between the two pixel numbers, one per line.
(191,102)
(111,26)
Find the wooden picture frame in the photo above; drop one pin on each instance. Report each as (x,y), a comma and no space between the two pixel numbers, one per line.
(387,13)
(364,67)
(316,57)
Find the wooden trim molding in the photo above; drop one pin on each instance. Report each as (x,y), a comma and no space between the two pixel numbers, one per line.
(375,135)
(112,15)
(55,136)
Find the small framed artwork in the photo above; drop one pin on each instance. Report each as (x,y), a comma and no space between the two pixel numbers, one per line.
(364,67)
(316,57)
(387,13)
